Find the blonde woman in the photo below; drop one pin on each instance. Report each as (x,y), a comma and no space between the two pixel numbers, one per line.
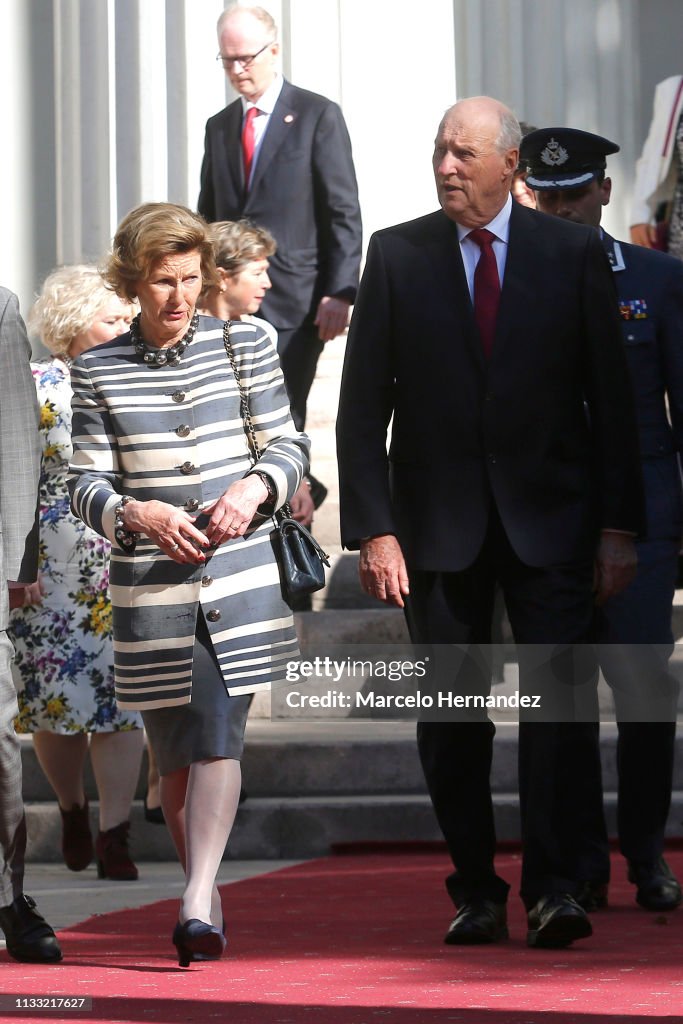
(64,660)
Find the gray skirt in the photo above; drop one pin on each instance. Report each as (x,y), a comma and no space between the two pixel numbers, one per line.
(211,725)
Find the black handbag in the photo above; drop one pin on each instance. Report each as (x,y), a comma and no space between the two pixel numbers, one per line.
(299,557)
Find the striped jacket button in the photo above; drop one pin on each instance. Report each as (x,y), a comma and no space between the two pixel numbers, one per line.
(178,396)
(207,581)
(183,430)
(187,468)
(213,615)
(191,505)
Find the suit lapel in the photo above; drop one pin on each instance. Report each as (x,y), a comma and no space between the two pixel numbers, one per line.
(515,293)
(232,145)
(444,253)
(280,124)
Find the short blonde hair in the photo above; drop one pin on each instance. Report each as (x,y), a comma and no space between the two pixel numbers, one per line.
(239,242)
(150,233)
(67,305)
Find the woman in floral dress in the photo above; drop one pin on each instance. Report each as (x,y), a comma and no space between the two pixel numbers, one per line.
(62,635)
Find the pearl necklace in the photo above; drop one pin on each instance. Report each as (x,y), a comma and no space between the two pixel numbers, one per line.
(161,356)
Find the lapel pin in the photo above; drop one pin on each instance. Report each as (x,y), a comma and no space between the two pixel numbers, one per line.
(288,118)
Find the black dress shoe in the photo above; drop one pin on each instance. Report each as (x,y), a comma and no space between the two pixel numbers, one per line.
(556,921)
(28,935)
(478,922)
(592,896)
(657,887)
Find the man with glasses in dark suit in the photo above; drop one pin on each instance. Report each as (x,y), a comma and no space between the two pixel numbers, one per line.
(281,157)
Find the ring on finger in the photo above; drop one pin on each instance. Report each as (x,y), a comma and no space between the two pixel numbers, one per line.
(174,547)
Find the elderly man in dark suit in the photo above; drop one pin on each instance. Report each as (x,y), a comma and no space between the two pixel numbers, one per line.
(281,156)
(483,329)
(28,936)
(566,169)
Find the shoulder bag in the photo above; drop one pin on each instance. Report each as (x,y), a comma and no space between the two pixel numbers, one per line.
(299,557)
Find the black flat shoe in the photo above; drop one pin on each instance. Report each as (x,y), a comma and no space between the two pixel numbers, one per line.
(657,886)
(478,922)
(197,940)
(556,921)
(154,815)
(29,937)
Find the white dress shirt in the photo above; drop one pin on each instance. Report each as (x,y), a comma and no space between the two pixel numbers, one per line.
(264,105)
(500,227)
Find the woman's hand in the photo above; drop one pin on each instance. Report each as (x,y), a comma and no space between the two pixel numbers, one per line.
(171,529)
(234,510)
(34,592)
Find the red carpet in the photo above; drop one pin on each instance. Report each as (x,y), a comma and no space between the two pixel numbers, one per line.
(357,940)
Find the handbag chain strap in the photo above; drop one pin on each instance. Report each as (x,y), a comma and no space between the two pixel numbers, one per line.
(254,447)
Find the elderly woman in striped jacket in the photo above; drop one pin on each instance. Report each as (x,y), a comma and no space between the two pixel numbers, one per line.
(161,467)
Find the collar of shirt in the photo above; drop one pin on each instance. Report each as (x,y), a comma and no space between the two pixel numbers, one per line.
(267,101)
(500,226)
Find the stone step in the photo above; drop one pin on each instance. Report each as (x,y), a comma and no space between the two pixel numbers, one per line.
(302,827)
(315,784)
(344,759)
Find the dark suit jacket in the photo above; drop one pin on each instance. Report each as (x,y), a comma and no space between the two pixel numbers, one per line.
(303,190)
(464,432)
(650,289)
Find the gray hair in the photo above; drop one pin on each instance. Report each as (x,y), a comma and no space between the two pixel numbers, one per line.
(510,134)
(259,13)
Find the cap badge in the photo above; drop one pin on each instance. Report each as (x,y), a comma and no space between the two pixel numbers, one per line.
(554,154)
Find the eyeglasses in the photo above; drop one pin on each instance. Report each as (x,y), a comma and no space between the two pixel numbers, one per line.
(244,61)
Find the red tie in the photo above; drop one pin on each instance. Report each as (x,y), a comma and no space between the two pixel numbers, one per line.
(248,142)
(486,288)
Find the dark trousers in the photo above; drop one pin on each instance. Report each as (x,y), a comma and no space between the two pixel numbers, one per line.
(546,606)
(635,643)
(299,349)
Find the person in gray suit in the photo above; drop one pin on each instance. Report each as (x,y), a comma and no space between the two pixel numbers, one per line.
(29,937)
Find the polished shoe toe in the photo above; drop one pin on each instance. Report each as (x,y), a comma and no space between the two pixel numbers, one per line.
(478,922)
(656,885)
(28,936)
(592,896)
(556,921)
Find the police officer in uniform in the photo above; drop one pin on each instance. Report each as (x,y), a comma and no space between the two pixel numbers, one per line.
(566,169)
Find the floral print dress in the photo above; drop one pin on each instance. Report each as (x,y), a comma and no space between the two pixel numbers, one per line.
(63,669)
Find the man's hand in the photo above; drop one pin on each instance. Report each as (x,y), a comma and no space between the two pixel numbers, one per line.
(382,569)
(301,504)
(332,317)
(643,234)
(616,562)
